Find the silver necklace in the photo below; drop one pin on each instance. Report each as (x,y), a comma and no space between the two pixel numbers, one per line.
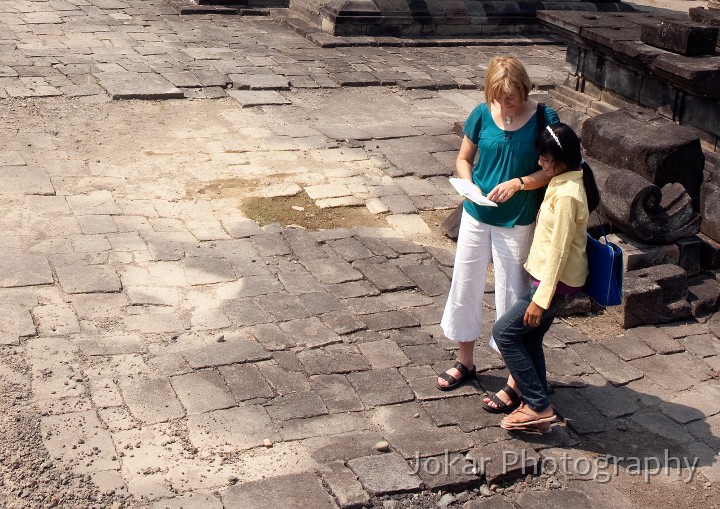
(508,120)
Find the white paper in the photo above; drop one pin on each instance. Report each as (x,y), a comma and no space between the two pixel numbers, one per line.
(471,192)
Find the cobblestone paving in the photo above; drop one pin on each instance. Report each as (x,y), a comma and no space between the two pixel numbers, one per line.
(142,49)
(179,350)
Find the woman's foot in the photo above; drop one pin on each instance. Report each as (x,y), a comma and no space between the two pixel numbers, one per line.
(503,401)
(525,417)
(455,376)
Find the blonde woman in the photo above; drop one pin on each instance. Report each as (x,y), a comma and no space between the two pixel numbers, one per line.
(501,132)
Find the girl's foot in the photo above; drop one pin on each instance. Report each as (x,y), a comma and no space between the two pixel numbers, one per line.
(525,416)
(503,401)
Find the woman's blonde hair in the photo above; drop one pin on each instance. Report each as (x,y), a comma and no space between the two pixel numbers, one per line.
(503,74)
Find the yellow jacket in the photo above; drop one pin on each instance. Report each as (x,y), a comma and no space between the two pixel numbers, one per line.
(558,247)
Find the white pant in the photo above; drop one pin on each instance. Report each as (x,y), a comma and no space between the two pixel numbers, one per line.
(462,319)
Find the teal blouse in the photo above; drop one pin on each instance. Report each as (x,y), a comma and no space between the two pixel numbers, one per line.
(504,155)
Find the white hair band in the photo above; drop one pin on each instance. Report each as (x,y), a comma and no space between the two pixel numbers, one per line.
(554,136)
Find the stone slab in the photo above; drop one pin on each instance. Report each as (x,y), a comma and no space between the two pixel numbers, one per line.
(250,98)
(385,474)
(607,363)
(554,498)
(684,38)
(134,85)
(287,492)
(19,180)
(230,352)
(88,279)
(378,387)
(24,269)
(151,400)
(202,391)
(233,429)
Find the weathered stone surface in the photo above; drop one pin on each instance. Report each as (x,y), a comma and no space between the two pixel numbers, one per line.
(380,387)
(384,354)
(449,472)
(295,406)
(431,442)
(656,338)
(19,180)
(383,276)
(24,269)
(607,363)
(579,415)
(428,278)
(202,391)
(505,460)
(231,352)
(703,295)
(554,498)
(460,411)
(310,332)
(652,213)
(685,38)
(493,502)
(710,212)
(111,345)
(80,441)
(390,320)
(653,295)
(232,429)
(660,425)
(190,501)
(652,147)
(151,400)
(343,447)
(385,474)
(250,98)
(346,488)
(332,424)
(89,279)
(245,382)
(290,492)
(337,393)
(671,371)
(627,347)
(133,85)
(697,75)
(340,358)
(612,401)
(208,270)
(259,82)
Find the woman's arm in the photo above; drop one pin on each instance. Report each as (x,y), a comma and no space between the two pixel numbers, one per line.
(465,159)
(505,190)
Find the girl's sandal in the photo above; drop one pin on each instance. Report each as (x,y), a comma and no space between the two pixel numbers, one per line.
(502,407)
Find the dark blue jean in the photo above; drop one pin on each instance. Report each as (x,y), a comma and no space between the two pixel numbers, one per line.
(522,350)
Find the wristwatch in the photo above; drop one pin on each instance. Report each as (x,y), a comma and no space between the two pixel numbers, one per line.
(522,184)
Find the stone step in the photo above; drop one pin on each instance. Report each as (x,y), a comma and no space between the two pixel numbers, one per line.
(229,7)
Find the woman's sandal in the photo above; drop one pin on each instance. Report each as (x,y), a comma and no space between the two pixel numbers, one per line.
(465,374)
(502,407)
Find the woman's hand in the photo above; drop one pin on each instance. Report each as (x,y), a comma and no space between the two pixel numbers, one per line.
(504,190)
(533,315)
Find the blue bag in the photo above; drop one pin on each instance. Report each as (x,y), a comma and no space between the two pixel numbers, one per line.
(604,283)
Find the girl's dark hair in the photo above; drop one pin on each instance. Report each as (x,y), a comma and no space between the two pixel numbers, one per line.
(567,151)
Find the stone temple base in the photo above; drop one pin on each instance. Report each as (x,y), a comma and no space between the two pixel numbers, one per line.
(412,18)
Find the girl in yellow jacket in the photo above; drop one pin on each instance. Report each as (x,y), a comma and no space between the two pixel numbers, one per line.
(558,266)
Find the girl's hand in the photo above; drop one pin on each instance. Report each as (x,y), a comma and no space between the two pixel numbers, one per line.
(533,315)
(504,190)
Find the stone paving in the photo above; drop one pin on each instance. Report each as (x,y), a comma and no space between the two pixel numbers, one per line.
(185,355)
